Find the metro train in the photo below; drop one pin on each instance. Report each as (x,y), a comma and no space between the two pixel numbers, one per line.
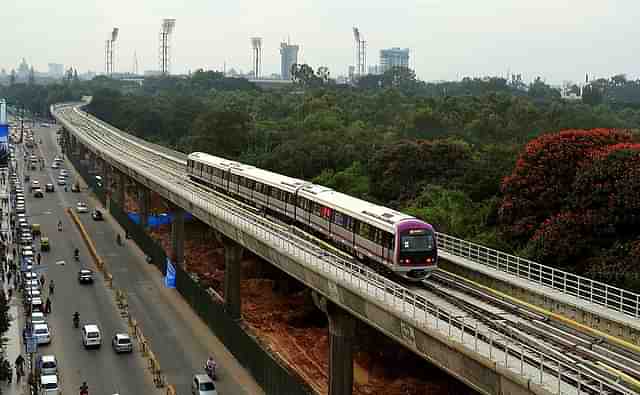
(395,241)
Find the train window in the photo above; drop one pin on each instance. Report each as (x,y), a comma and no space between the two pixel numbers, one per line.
(291,198)
(387,240)
(251,184)
(325,212)
(339,219)
(275,193)
(348,223)
(364,230)
(316,209)
(259,187)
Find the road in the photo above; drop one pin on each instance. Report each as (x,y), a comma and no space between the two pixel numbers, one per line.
(179,338)
(105,371)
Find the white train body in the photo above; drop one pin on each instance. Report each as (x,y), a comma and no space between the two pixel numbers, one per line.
(401,243)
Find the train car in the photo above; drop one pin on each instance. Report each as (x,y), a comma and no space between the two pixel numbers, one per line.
(398,242)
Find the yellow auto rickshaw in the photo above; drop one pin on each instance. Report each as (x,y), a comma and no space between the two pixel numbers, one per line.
(44,244)
(35,229)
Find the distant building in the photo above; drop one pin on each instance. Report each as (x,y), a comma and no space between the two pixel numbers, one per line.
(23,70)
(56,70)
(152,73)
(288,57)
(375,69)
(393,57)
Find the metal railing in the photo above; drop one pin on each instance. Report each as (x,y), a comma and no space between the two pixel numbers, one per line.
(499,347)
(584,288)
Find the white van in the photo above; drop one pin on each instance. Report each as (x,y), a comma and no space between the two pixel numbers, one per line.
(49,385)
(91,336)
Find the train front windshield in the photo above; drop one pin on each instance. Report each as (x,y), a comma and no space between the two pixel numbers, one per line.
(420,240)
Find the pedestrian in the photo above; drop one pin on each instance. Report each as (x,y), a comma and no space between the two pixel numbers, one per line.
(24,335)
(10,291)
(51,287)
(20,362)
(8,369)
(18,374)
(42,281)
(48,306)
(38,257)
(9,277)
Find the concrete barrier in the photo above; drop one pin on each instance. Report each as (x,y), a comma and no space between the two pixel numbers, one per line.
(85,236)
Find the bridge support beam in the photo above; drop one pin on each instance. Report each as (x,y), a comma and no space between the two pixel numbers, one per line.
(143,205)
(342,330)
(232,274)
(177,235)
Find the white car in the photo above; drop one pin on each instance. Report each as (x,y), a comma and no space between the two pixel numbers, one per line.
(48,364)
(49,385)
(91,336)
(62,181)
(55,165)
(81,207)
(41,333)
(63,173)
(203,385)
(38,318)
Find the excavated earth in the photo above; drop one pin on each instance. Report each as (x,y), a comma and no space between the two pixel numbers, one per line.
(286,320)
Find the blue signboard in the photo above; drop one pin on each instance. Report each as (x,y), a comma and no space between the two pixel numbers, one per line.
(170,278)
(4,145)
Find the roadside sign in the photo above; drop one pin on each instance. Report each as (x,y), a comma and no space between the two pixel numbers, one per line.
(170,278)
(32,345)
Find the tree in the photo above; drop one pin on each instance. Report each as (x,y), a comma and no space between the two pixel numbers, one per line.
(32,76)
(221,132)
(12,77)
(538,89)
(323,74)
(592,94)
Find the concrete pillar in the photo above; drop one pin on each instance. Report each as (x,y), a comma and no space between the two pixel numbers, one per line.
(232,275)
(342,328)
(120,189)
(177,235)
(143,205)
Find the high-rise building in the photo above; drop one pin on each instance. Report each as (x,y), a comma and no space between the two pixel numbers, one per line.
(56,70)
(394,57)
(288,57)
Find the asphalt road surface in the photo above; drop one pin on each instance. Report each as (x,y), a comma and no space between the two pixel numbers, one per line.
(179,339)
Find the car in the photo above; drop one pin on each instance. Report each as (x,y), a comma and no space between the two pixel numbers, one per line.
(203,385)
(81,207)
(55,165)
(49,385)
(58,159)
(62,181)
(37,305)
(97,215)
(37,193)
(35,184)
(85,276)
(91,336)
(44,244)
(41,333)
(63,173)
(49,188)
(121,342)
(20,209)
(38,318)
(32,293)
(47,364)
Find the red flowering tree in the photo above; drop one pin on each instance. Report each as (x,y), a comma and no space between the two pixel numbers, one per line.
(544,177)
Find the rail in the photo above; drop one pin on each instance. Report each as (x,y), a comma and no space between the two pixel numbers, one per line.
(583,288)
(498,347)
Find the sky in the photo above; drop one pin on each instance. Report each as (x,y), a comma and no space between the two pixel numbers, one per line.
(556,39)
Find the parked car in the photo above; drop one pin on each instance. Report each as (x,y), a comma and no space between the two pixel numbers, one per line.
(49,385)
(75,187)
(62,181)
(47,364)
(49,188)
(41,333)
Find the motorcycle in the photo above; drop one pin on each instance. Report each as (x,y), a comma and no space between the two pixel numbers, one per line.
(76,322)
(210,372)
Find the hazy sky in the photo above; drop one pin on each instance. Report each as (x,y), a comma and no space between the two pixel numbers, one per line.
(557,39)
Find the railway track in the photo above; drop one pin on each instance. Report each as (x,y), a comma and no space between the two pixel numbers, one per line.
(602,368)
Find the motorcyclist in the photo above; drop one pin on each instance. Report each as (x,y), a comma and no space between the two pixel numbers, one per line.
(76,254)
(210,366)
(119,239)
(84,389)
(76,319)
(60,226)
(51,287)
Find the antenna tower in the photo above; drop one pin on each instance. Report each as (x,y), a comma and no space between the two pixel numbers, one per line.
(135,63)
(108,51)
(361,53)
(166,30)
(256,56)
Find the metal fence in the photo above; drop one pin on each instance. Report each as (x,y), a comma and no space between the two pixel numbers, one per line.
(584,288)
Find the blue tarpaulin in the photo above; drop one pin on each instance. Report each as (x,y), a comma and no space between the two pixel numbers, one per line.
(170,278)
(156,220)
